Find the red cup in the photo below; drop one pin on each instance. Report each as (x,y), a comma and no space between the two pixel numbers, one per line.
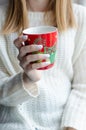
(46,36)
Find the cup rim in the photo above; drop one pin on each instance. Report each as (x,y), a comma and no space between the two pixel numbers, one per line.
(28,30)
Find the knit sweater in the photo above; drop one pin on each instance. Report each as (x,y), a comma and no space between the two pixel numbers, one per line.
(58,100)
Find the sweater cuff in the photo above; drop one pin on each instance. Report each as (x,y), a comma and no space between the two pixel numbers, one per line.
(75,112)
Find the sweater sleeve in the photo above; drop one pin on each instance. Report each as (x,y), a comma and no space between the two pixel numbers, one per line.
(74,114)
(12,89)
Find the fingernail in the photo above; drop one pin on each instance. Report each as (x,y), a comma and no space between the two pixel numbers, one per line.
(47,63)
(24,37)
(47,55)
(39,46)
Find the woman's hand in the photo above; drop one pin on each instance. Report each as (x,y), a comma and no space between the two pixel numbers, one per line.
(27,59)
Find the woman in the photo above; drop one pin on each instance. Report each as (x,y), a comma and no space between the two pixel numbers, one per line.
(31,99)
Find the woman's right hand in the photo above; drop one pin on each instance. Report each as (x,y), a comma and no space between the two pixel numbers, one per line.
(27,59)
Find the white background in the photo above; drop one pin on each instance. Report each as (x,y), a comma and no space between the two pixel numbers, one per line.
(3,2)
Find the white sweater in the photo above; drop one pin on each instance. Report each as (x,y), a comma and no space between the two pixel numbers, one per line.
(61,99)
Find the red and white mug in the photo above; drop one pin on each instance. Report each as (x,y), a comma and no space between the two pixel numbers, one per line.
(47,36)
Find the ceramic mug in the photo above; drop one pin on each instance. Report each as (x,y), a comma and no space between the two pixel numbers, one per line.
(47,36)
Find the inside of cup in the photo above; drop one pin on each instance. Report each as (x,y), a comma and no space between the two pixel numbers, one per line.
(40,30)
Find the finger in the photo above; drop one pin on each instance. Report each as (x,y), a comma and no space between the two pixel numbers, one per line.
(34,66)
(33,58)
(28,49)
(40,65)
(18,42)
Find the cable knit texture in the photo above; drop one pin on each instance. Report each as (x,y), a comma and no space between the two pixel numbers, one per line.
(58,100)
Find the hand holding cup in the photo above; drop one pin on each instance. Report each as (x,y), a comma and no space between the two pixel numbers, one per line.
(26,58)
